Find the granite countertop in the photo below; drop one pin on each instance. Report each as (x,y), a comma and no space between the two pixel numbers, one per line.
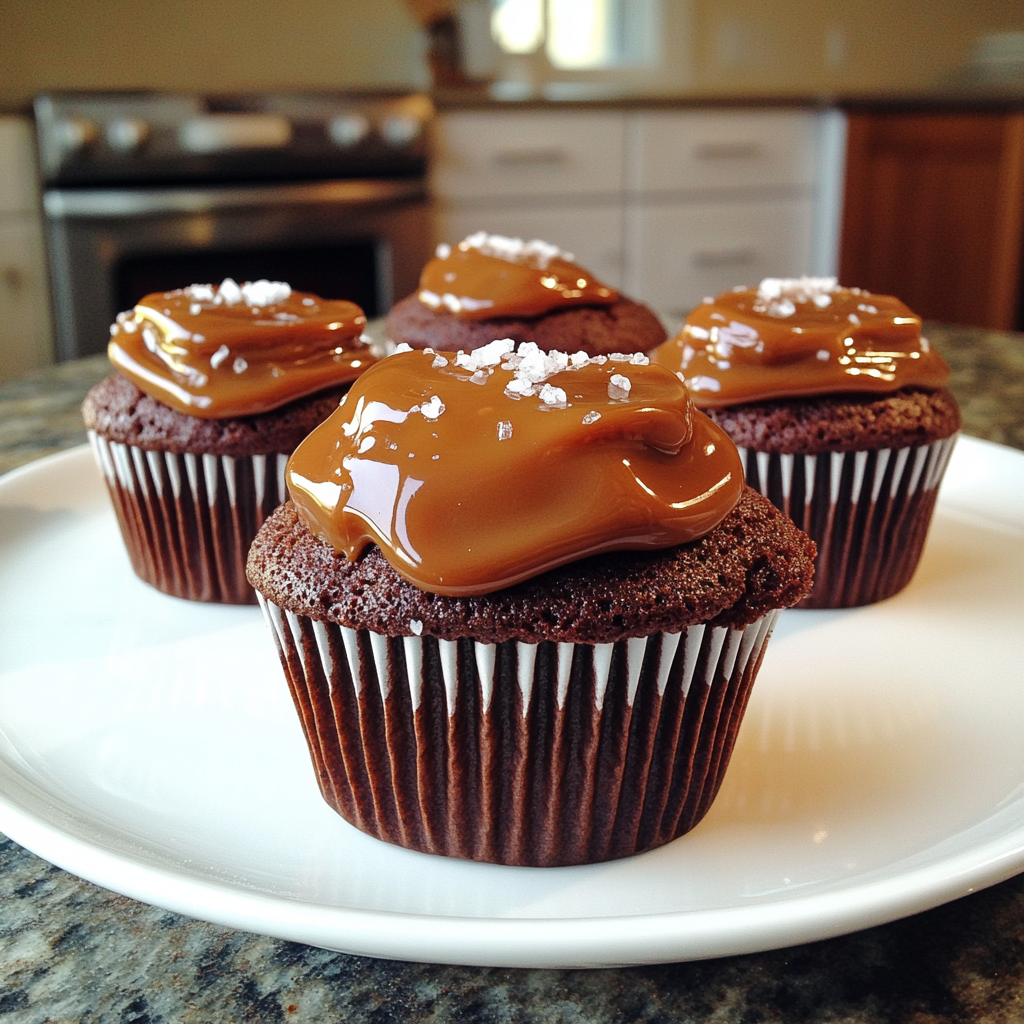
(71,951)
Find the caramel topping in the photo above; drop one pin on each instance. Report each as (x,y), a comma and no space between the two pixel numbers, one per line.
(216,352)
(805,336)
(475,471)
(487,276)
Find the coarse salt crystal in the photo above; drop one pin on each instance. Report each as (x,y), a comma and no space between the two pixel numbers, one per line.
(239,365)
(504,430)
(591,417)
(432,409)
(550,395)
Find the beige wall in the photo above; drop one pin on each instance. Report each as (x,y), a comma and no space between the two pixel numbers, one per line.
(839,46)
(767,47)
(219,45)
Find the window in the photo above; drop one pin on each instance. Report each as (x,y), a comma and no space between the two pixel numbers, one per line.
(580,35)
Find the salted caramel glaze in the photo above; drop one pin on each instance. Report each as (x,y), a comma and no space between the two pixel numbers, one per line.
(801,336)
(473,471)
(487,276)
(218,351)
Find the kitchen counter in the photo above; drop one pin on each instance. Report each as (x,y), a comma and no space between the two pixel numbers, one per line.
(71,951)
(591,96)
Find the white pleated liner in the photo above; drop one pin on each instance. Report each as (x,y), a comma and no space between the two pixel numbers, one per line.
(185,522)
(857,569)
(730,651)
(330,666)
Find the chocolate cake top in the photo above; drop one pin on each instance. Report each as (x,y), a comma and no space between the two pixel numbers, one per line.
(622,326)
(753,561)
(841,423)
(120,411)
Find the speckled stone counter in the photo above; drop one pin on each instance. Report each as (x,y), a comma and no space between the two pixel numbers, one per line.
(70,951)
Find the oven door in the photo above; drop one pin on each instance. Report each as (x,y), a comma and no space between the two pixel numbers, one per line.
(360,240)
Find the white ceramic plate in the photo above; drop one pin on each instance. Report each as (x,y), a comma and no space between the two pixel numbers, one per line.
(150,745)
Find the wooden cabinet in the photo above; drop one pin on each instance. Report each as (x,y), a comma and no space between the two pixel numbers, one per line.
(934,213)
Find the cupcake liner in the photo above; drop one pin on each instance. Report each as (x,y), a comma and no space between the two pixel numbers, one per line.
(188,520)
(868,512)
(516,753)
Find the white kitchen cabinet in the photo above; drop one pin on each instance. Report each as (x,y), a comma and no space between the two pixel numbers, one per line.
(725,198)
(511,156)
(686,251)
(559,176)
(25,333)
(669,205)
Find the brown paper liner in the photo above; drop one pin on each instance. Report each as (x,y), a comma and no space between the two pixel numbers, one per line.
(867,511)
(528,754)
(188,520)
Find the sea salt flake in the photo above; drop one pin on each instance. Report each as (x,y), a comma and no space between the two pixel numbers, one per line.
(195,309)
(265,293)
(550,395)
(822,354)
(402,346)
(433,408)
(439,361)
(239,365)
(219,356)
(504,430)
(591,417)
(229,292)
(703,383)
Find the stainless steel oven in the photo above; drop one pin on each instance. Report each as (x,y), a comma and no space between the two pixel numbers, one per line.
(149,192)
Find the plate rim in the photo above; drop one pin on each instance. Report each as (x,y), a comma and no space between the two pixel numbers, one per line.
(600,941)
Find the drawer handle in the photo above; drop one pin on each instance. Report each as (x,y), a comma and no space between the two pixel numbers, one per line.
(725,258)
(728,151)
(512,158)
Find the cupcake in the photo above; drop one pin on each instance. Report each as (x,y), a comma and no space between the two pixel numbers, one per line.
(490,287)
(838,407)
(215,386)
(520,600)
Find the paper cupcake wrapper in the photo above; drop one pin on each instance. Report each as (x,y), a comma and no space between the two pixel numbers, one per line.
(188,520)
(516,753)
(867,511)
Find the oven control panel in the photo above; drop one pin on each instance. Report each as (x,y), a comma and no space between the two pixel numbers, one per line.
(113,138)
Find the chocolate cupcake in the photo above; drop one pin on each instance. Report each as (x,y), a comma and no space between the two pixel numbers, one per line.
(520,602)
(490,287)
(838,406)
(215,388)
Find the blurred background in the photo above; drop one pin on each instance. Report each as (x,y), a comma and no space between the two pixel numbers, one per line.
(676,146)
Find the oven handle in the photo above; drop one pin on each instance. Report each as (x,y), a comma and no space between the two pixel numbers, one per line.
(144,202)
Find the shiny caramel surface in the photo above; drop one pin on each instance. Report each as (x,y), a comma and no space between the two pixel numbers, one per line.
(478,470)
(804,336)
(487,276)
(221,351)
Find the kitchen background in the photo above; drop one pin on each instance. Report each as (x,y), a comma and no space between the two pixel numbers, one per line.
(789,103)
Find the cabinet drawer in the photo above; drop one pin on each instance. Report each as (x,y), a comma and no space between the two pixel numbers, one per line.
(593,234)
(679,253)
(483,155)
(715,150)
